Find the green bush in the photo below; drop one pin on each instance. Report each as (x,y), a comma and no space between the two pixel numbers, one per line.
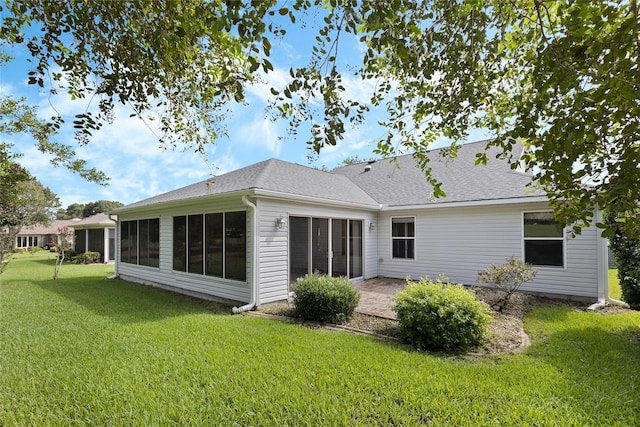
(440,316)
(20,250)
(626,251)
(321,298)
(86,258)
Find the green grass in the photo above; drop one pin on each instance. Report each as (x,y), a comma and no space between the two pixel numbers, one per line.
(83,350)
(614,285)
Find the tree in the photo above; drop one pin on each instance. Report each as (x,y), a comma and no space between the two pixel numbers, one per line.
(561,77)
(75,210)
(100,206)
(23,202)
(12,175)
(65,239)
(17,117)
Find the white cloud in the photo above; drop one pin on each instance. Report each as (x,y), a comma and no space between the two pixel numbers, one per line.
(260,133)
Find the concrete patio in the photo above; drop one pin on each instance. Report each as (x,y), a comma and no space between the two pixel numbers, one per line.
(376,296)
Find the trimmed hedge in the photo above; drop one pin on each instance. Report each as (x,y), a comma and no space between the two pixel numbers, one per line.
(321,298)
(441,316)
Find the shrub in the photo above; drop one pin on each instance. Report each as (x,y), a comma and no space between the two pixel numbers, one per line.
(20,250)
(86,258)
(626,251)
(321,298)
(437,315)
(507,277)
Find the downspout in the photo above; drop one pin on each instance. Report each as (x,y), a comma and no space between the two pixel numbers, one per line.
(115,251)
(254,267)
(603,272)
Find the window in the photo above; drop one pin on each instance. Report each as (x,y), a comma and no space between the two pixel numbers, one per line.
(140,242)
(403,237)
(180,243)
(129,242)
(216,242)
(80,241)
(214,237)
(543,240)
(149,242)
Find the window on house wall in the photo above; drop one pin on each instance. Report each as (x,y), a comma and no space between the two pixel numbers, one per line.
(195,245)
(140,242)
(149,242)
(235,245)
(80,241)
(403,237)
(216,244)
(180,243)
(543,240)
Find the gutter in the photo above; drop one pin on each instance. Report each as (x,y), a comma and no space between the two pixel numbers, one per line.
(253,302)
(603,273)
(115,273)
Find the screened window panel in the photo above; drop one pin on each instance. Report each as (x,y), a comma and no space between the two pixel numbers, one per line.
(236,245)
(180,243)
(214,244)
(195,244)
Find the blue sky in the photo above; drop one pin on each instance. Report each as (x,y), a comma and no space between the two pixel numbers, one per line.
(129,153)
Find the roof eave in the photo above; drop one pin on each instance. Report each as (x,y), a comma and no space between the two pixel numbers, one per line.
(468,203)
(271,194)
(178,202)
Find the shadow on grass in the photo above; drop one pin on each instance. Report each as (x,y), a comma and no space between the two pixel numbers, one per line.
(126,302)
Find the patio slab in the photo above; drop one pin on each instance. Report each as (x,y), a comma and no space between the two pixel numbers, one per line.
(376,296)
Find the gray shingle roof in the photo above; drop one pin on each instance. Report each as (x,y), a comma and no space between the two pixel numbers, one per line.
(389,183)
(270,175)
(404,184)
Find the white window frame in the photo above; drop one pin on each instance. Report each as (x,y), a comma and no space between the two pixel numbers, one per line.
(404,238)
(563,239)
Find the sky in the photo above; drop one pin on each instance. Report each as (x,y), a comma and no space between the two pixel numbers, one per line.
(129,153)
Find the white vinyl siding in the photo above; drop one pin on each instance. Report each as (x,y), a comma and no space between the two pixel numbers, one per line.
(460,242)
(274,242)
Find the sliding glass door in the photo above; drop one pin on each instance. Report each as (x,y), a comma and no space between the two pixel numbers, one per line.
(328,246)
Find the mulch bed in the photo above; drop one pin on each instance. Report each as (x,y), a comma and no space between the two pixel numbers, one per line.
(506,330)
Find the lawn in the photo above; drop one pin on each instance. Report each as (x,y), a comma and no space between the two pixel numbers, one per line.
(614,285)
(84,350)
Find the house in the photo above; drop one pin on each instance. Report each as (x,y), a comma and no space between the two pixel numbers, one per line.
(95,233)
(248,235)
(42,235)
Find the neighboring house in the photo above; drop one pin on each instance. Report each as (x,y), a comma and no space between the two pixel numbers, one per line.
(42,235)
(96,233)
(92,234)
(248,235)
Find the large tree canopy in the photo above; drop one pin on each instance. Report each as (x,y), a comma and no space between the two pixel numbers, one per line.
(559,76)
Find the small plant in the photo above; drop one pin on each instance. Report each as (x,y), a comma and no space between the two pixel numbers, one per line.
(321,298)
(437,315)
(507,278)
